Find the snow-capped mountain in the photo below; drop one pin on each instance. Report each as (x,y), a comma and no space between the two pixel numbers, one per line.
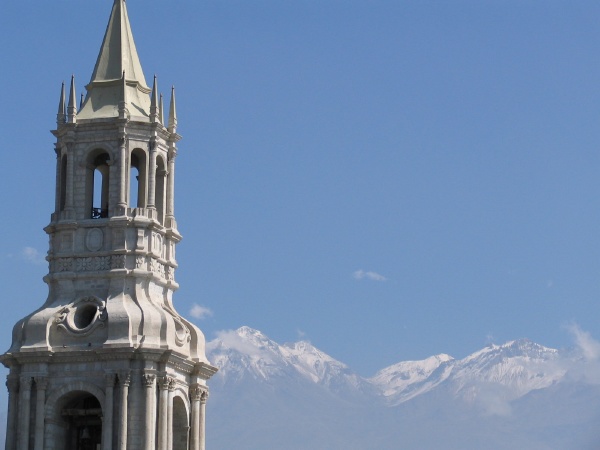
(248,352)
(294,396)
(512,369)
(515,368)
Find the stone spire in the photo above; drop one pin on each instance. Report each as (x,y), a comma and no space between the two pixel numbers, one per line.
(161,110)
(173,113)
(118,54)
(154,102)
(61,115)
(72,109)
(107,361)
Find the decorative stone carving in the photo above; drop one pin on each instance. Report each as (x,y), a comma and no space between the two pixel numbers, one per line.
(204,396)
(41,383)
(182,332)
(124,378)
(141,241)
(25,383)
(64,264)
(166,382)
(117,261)
(12,384)
(83,264)
(94,239)
(157,244)
(102,263)
(82,317)
(199,393)
(89,264)
(148,379)
(140,262)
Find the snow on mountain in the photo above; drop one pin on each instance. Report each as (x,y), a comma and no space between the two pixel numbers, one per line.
(294,396)
(247,351)
(521,365)
(494,375)
(406,379)
(500,372)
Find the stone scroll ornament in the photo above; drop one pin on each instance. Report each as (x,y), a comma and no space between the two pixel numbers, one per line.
(82,317)
(182,332)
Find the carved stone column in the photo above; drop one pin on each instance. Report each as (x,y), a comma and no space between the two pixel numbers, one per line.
(163,411)
(152,176)
(124,379)
(150,411)
(24,412)
(12,383)
(122,205)
(41,384)
(202,419)
(170,212)
(69,182)
(170,415)
(59,182)
(195,396)
(107,414)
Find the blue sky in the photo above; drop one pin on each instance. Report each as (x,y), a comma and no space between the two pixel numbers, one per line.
(387,179)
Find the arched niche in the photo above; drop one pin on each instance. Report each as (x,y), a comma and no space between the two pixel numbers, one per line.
(97,184)
(181,425)
(74,417)
(160,188)
(138,180)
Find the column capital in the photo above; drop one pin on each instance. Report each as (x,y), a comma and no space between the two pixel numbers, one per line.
(148,379)
(124,378)
(41,383)
(12,383)
(25,382)
(199,392)
(167,382)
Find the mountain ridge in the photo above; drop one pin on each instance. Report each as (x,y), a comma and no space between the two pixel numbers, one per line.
(295,396)
(517,366)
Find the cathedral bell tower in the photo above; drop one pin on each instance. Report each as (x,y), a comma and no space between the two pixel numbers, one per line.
(107,362)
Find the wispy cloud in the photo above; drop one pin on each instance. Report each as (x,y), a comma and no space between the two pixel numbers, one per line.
(585,366)
(586,344)
(368,275)
(33,256)
(200,312)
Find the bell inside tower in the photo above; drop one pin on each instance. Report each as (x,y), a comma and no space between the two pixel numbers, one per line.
(83,423)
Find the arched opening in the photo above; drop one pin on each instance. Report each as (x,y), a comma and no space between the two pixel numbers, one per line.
(160,191)
(79,425)
(181,428)
(97,185)
(137,179)
(63,183)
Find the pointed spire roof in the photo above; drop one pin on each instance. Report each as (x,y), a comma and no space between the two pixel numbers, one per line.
(173,112)
(72,108)
(61,115)
(154,102)
(161,111)
(118,54)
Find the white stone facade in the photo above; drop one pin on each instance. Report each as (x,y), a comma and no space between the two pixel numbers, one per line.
(107,362)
